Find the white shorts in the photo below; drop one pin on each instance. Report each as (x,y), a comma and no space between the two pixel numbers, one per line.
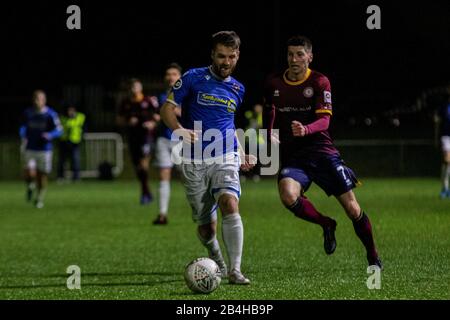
(445,142)
(205,183)
(38,160)
(166,151)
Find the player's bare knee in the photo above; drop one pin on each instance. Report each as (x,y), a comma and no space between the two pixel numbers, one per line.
(352,209)
(144,166)
(165,174)
(288,196)
(447,159)
(228,204)
(289,191)
(207,231)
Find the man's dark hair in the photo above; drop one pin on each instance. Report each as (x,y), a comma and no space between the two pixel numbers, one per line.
(300,41)
(174,65)
(226,38)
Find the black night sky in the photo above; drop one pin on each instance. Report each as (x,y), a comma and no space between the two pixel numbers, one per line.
(367,68)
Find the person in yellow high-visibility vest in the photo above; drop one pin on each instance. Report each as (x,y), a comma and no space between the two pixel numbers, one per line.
(74,125)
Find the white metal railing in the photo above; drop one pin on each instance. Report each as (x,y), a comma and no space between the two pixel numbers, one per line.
(99,147)
(109,146)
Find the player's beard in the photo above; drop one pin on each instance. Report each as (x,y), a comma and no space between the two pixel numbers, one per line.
(223,71)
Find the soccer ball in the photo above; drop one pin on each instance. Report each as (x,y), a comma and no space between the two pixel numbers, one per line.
(202,275)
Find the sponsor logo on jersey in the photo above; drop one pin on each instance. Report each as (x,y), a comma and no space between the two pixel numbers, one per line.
(308,92)
(178,84)
(327,96)
(294,109)
(276,93)
(211,99)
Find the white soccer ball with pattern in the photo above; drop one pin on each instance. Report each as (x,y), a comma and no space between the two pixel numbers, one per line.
(202,275)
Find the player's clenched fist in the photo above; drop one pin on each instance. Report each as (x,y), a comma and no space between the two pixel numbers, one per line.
(298,129)
(248,162)
(189,136)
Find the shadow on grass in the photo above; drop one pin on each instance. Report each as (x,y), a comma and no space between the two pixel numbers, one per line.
(90,274)
(87,283)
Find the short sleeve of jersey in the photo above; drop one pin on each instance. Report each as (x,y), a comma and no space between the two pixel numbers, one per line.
(55,122)
(180,89)
(323,103)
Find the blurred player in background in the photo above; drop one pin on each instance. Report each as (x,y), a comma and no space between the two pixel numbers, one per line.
(138,114)
(40,125)
(255,123)
(443,117)
(74,125)
(212,96)
(298,102)
(164,146)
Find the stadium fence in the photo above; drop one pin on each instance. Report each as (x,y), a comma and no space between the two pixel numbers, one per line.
(368,158)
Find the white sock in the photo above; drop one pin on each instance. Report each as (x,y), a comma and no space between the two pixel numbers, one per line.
(164,196)
(233,237)
(445,176)
(212,245)
(41,194)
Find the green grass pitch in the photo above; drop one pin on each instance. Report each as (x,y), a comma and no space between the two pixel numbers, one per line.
(101,228)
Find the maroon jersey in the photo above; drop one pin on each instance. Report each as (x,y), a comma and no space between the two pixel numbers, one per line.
(302,101)
(143,108)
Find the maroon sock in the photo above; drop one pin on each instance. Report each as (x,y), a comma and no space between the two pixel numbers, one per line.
(143,179)
(305,210)
(363,230)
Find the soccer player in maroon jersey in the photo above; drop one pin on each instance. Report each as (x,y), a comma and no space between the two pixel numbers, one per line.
(298,103)
(138,114)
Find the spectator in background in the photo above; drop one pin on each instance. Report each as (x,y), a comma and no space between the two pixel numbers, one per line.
(138,115)
(443,117)
(164,146)
(74,125)
(40,125)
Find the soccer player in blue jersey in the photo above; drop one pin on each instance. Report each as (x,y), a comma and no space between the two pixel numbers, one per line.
(40,125)
(210,96)
(164,146)
(444,119)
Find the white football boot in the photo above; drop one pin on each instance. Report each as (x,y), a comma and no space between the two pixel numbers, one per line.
(236,277)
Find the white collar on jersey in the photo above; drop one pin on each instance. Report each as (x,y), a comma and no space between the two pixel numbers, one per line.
(227,79)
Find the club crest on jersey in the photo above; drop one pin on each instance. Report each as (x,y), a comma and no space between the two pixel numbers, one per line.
(327,96)
(207,77)
(235,86)
(308,92)
(178,84)
(276,93)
